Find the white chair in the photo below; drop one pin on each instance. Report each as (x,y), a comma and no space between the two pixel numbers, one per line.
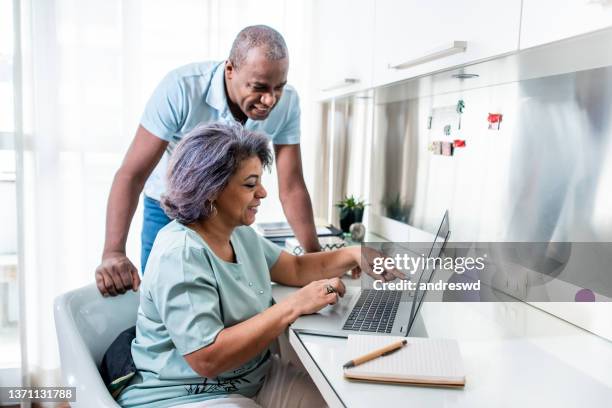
(86,325)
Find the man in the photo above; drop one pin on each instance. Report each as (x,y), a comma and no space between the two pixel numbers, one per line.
(246,88)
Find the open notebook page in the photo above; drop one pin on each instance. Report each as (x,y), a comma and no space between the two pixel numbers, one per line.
(422,360)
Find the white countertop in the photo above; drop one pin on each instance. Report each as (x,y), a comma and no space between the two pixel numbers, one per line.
(515,356)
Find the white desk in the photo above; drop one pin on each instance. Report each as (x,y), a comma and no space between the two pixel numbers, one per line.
(515,356)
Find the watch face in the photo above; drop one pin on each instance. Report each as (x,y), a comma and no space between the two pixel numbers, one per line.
(357,231)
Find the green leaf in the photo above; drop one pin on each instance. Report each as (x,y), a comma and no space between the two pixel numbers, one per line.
(350,203)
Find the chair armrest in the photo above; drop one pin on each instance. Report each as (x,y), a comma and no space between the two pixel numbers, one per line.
(78,366)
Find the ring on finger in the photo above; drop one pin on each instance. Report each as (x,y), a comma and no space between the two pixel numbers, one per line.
(330,289)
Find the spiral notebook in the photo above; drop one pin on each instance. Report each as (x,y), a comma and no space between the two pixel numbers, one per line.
(423,361)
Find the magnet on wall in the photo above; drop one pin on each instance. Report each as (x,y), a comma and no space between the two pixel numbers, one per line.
(460,107)
(436,147)
(447,148)
(494,120)
(458,143)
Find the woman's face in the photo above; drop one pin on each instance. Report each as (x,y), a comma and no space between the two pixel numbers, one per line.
(238,202)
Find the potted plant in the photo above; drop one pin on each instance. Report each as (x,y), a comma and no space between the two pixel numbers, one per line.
(351,211)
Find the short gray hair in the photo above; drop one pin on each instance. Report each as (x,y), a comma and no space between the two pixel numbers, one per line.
(258,36)
(202,165)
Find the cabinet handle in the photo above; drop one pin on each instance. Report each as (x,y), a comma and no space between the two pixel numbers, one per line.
(445,50)
(342,84)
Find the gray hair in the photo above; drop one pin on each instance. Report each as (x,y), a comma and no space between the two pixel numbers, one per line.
(202,165)
(270,40)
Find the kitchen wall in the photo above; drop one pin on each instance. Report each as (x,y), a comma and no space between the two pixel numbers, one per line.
(542,176)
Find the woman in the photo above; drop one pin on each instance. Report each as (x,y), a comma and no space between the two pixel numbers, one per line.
(206,315)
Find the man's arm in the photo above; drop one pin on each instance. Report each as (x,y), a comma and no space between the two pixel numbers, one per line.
(116,273)
(294,195)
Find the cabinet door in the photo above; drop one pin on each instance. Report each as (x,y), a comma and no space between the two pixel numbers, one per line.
(545,21)
(419,34)
(343,46)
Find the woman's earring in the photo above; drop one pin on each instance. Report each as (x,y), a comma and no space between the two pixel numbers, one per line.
(213,209)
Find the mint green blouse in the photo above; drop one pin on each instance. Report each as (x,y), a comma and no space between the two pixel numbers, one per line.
(187,296)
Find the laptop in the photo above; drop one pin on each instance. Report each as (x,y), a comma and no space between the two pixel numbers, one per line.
(378,312)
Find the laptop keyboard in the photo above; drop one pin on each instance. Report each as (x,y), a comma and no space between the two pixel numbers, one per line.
(374,311)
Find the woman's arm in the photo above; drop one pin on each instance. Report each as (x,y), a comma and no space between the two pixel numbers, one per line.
(293,270)
(238,344)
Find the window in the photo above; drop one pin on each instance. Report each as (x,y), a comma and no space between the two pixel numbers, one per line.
(9,304)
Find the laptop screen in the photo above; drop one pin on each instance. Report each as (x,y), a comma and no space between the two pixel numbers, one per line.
(428,272)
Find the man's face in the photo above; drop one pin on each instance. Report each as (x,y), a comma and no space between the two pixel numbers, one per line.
(257,85)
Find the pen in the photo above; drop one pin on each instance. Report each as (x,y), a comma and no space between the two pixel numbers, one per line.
(376,353)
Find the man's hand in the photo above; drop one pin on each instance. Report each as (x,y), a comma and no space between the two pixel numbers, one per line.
(116,274)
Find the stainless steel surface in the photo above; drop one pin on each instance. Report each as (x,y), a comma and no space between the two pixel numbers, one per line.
(542,177)
(343,152)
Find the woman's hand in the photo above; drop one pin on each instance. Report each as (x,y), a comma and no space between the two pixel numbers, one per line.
(364,257)
(316,295)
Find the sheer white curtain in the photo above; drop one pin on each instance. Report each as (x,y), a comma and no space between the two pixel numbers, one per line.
(89,67)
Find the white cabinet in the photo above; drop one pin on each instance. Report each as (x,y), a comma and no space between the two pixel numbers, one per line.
(419,36)
(343,46)
(545,21)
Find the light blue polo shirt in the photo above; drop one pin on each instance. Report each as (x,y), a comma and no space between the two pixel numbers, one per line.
(187,296)
(194,94)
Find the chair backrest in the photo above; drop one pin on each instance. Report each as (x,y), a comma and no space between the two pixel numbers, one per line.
(86,325)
